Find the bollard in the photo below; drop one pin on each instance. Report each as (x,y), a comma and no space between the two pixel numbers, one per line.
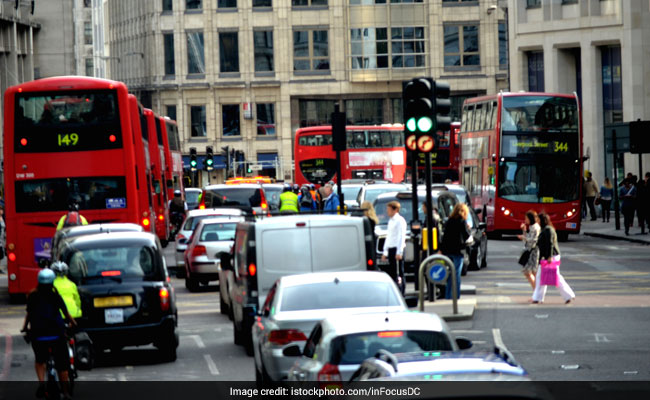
(421,273)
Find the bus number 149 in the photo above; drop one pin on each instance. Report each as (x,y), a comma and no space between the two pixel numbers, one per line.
(68,139)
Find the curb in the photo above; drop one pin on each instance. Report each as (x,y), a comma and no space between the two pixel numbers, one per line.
(613,237)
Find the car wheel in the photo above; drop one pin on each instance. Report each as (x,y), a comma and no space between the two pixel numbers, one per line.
(465,266)
(563,236)
(484,257)
(474,258)
(248,345)
(167,345)
(259,380)
(236,334)
(164,243)
(223,307)
(191,284)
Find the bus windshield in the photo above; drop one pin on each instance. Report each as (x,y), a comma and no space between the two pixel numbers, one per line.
(62,122)
(539,113)
(539,180)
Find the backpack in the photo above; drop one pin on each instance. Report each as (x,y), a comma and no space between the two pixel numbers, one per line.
(72,219)
(306,201)
(46,318)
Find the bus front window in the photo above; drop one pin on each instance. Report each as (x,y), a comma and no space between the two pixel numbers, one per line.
(538,181)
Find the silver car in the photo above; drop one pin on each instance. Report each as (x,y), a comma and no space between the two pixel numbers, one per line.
(191,221)
(211,237)
(338,345)
(296,303)
(370,192)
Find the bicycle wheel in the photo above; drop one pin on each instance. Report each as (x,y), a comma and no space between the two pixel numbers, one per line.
(52,389)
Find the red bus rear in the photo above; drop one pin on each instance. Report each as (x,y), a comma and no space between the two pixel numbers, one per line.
(157,157)
(173,157)
(66,140)
(523,151)
(373,152)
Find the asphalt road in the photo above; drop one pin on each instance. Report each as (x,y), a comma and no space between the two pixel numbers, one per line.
(603,335)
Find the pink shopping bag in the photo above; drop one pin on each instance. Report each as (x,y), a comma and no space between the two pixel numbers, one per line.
(548,274)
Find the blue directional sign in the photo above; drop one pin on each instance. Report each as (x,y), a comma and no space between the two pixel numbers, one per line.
(438,273)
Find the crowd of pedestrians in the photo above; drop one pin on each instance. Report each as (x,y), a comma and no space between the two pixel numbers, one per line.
(306,199)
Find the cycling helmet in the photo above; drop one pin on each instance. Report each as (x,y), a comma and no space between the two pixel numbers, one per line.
(46,276)
(312,186)
(287,188)
(177,193)
(59,267)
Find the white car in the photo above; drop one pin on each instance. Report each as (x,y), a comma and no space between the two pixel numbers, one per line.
(191,221)
(296,303)
(338,345)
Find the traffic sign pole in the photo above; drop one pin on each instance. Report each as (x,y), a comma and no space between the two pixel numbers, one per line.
(444,260)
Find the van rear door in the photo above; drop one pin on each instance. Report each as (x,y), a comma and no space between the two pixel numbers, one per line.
(337,245)
(282,249)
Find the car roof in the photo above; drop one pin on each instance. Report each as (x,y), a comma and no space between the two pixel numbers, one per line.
(382,185)
(344,276)
(409,194)
(378,322)
(193,189)
(220,220)
(272,185)
(145,238)
(287,219)
(216,211)
(97,228)
(450,362)
(239,185)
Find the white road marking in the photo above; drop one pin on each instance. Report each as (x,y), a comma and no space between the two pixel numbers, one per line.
(467,332)
(557,352)
(541,316)
(601,338)
(211,365)
(570,367)
(197,340)
(630,372)
(479,342)
(496,334)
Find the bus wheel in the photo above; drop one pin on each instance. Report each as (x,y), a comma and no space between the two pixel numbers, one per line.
(563,236)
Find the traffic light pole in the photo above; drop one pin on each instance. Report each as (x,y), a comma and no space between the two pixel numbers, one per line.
(415,215)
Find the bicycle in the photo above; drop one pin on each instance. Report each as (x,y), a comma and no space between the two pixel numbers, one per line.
(52,383)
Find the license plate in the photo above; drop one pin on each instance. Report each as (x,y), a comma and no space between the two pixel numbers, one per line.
(114,315)
(571,225)
(113,301)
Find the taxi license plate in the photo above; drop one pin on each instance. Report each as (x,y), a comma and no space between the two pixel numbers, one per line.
(113,301)
(114,315)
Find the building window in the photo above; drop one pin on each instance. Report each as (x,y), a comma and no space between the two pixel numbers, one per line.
(262,3)
(263,44)
(461,49)
(171,112)
(533,3)
(88,3)
(569,1)
(195,55)
(308,3)
(535,71)
(315,112)
(228,52)
(230,119)
(168,41)
(310,51)
(364,111)
(265,118)
(407,47)
(227,4)
(612,84)
(88,32)
(167,5)
(89,67)
(369,48)
(503,45)
(197,121)
(193,4)
(461,1)
(398,113)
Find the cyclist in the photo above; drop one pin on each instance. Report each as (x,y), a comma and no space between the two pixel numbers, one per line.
(66,288)
(177,209)
(47,330)
(72,218)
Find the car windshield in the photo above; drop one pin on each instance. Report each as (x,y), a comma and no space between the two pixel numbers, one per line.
(326,295)
(350,192)
(539,180)
(355,348)
(272,195)
(112,262)
(192,198)
(406,210)
(233,197)
(372,193)
(216,232)
(192,222)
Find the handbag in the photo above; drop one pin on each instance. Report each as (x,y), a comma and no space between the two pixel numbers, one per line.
(523,259)
(597,201)
(548,273)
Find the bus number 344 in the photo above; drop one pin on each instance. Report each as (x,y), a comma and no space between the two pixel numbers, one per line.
(561,147)
(70,139)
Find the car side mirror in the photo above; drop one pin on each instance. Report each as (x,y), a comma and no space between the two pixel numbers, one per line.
(411,301)
(478,210)
(292,351)
(226,265)
(463,343)
(482,225)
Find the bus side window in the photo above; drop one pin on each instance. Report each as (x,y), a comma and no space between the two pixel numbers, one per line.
(495,110)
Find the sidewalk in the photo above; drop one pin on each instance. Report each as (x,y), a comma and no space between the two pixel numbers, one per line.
(607,230)
(445,309)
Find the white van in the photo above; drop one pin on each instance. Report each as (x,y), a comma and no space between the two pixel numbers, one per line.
(268,249)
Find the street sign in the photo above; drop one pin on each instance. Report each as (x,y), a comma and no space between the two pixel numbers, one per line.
(255,167)
(425,143)
(437,273)
(411,142)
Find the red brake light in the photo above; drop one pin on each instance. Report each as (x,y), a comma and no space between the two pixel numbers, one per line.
(112,138)
(145,222)
(161,217)
(370,262)
(202,207)
(252,269)
(199,251)
(390,334)
(12,256)
(329,373)
(23,142)
(164,299)
(111,273)
(286,336)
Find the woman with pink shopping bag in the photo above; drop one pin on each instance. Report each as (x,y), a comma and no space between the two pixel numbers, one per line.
(549,271)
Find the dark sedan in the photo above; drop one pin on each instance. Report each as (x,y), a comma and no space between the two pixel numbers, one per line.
(126,297)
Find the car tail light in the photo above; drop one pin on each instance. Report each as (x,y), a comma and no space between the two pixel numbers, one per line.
(202,207)
(329,373)
(286,336)
(112,273)
(199,250)
(164,299)
(252,269)
(180,236)
(386,334)
(370,262)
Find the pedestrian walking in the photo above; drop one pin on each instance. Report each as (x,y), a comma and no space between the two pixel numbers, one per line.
(628,204)
(606,196)
(550,252)
(331,200)
(288,201)
(395,244)
(306,201)
(591,191)
(454,241)
(643,198)
(530,258)
(369,211)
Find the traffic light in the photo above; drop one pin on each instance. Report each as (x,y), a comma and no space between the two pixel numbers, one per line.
(249,170)
(193,160)
(442,106)
(209,158)
(225,153)
(417,97)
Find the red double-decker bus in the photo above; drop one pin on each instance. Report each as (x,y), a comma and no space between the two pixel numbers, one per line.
(373,152)
(66,140)
(523,151)
(157,157)
(444,159)
(173,157)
